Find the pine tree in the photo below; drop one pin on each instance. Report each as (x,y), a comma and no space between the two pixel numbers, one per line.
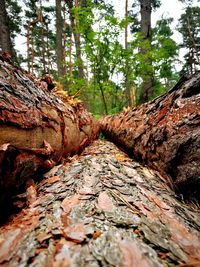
(73,9)
(41,43)
(9,25)
(189,27)
(60,39)
(127,73)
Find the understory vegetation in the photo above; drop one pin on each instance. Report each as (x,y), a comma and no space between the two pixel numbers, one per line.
(109,60)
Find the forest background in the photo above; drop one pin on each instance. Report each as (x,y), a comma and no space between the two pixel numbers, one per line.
(110,61)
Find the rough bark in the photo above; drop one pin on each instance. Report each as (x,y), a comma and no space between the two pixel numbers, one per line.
(102,209)
(5,39)
(36,129)
(165,134)
(145,25)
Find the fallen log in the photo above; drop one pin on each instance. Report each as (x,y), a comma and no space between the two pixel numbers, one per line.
(36,128)
(164,134)
(102,209)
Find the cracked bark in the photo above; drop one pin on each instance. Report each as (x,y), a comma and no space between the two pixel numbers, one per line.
(102,209)
(36,129)
(164,134)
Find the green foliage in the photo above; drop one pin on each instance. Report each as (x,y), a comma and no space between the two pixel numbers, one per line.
(41,37)
(189,23)
(102,50)
(189,27)
(161,54)
(155,4)
(14,12)
(104,57)
(188,2)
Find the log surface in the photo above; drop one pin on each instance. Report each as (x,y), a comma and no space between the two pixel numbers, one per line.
(102,209)
(164,134)
(36,128)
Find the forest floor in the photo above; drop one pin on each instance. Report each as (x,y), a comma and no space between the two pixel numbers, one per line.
(102,209)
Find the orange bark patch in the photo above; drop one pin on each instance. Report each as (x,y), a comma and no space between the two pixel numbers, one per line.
(53,179)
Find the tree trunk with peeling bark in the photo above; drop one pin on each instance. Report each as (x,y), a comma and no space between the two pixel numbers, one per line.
(164,134)
(102,209)
(36,129)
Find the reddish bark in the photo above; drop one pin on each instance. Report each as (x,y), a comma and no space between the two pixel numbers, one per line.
(36,128)
(102,209)
(164,134)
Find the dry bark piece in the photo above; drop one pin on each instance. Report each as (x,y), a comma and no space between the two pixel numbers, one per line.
(36,129)
(164,134)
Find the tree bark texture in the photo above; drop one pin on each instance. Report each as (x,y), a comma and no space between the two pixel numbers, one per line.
(102,209)
(165,134)
(5,39)
(145,25)
(36,128)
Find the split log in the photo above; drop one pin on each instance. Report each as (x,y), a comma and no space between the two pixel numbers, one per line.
(164,134)
(36,128)
(102,209)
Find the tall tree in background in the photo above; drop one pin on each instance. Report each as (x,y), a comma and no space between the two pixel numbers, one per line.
(90,32)
(41,41)
(145,24)
(59,39)
(6,44)
(153,55)
(74,8)
(145,47)
(127,77)
(189,27)
(35,16)
(164,55)
(103,52)
(127,86)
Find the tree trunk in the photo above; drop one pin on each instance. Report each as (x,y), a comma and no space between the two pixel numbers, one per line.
(59,39)
(147,85)
(77,38)
(74,21)
(102,209)
(43,49)
(37,129)
(103,98)
(70,58)
(30,39)
(165,134)
(127,82)
(5,39)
